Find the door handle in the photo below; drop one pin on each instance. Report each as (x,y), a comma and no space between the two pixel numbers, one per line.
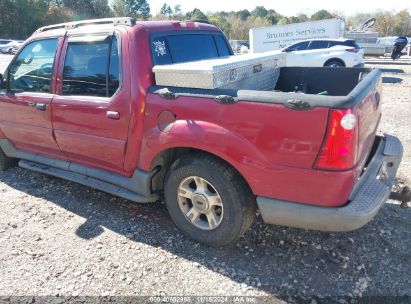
(113,115)
(41,106)
(31,104)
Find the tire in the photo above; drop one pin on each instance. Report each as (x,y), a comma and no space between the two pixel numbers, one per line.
(230,203)
(335,63)
(6,162)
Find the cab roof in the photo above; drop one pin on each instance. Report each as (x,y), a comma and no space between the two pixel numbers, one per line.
(111,23)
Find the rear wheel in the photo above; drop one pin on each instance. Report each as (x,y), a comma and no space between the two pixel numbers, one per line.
(335,64)
(208,200)
(6,162)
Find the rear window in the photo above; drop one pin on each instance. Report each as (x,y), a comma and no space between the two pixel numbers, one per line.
(318,44)
(183,48)
(350,43)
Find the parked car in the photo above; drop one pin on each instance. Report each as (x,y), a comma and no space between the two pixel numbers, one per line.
(16,46)
(325,52)
(4,41)
(81,103)
(240,46)
(6,48)
(11,47)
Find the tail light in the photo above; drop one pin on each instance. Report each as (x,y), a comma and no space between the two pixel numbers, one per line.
(352,50)
(339,149)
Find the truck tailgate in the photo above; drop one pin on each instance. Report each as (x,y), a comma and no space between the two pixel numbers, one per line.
(369,115)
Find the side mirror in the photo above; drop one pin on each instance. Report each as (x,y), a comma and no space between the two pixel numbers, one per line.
(2,83)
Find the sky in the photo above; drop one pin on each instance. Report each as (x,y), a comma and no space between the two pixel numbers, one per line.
(288,7)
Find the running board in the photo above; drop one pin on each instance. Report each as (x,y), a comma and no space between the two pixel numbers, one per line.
(139,182)
(85,180)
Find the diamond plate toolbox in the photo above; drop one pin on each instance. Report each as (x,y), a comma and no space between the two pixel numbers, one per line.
(246,72)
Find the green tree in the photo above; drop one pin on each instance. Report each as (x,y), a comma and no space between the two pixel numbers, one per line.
(239,29)
(119,8)
(84,9)
(273,17)
(322,14)
(402,23)
(244,14)
(24,17)
(302,17)
(385,23)
(166,10)
(259,11)
(139,9)
(57,13)
(177,12)
(283,20)
(8,15)
(196,14)
(294,19)
(220,20)
(101,9)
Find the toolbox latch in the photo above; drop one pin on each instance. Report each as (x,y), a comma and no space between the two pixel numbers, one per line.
(166,93)
(225,99)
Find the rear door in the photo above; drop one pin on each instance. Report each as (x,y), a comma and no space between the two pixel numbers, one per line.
(25,106)
(91,113)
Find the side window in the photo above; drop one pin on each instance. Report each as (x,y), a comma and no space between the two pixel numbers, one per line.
(318,44)
(92,68)
(302,46)
(333,43)
(114,68)
(221,46)
(33,68)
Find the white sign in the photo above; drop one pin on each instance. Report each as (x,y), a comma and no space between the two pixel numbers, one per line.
(277,37)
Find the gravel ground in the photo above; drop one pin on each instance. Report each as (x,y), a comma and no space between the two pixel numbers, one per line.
(61,238)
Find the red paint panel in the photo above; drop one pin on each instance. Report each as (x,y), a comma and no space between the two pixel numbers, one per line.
(280,135)
(86,149)
(23,124)
(82,129)
(273,147)
(142,77)
(369,115)
(27,127)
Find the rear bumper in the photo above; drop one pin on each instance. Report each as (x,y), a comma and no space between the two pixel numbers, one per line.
(368,196)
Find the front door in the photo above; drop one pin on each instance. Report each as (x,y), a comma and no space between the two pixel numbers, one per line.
(25,105)
(91,111)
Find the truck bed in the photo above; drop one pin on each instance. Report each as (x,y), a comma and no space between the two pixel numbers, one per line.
(326,87)
(288,125)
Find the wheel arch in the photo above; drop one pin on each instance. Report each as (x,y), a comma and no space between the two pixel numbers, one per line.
(164,159)
(159,149)
(335,59)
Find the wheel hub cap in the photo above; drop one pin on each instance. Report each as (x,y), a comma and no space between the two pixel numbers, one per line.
(200,203)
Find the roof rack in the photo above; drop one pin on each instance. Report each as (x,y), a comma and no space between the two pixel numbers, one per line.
(71,25)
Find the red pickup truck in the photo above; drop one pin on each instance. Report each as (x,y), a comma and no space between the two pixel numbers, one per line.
(79,101)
